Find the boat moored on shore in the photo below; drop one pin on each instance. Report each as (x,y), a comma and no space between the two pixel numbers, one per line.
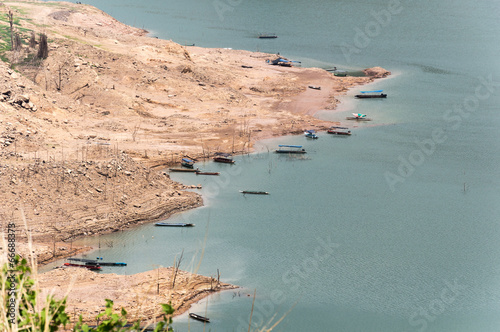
(222,157)
(311,134)
(188,163)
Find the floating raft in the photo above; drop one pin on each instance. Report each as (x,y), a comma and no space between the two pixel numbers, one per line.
(254,192)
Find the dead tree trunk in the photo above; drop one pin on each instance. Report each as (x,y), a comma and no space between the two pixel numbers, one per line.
(43,48)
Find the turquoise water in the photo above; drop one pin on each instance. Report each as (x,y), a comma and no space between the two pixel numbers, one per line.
(395,228)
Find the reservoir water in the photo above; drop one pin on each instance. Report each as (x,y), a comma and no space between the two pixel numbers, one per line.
(395,228)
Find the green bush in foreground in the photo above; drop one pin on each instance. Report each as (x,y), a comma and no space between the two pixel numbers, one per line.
(22,312)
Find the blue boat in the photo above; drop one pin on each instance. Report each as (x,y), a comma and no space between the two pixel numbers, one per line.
(187,163)
(372,94)
(290,149)
(96,262)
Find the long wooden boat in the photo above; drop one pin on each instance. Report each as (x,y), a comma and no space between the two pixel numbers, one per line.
(267,36)
(173,224)
(89,267)
(296,149)
(207,173)
(200,318)
(183,170)
(382,95)
(339,131)
(254,192)
(96,262)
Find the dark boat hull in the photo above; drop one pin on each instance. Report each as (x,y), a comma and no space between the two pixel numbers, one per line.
(291,151)
(223,160)
(382,95)
(207,173)
(200,318)
(254,192)
(182,170)
(340,133)
(358,119)
(166,224)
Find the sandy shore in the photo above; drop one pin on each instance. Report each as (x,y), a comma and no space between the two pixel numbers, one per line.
(140,294)
(85,133)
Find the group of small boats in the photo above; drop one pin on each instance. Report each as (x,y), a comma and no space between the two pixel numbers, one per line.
(187,164)
(335,130)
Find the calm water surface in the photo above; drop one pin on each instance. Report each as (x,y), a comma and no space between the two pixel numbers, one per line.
(395,228)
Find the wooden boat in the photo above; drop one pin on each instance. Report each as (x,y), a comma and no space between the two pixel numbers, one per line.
(207,173)
(254,192)
(174,224)
(267,36)
(89,267)
(200,318)
(311,134)
(358,117)
(94,262)
(371,94)
(290,149)
(339,131)
(183,170)
(314,87)
(187,163)
(221,157)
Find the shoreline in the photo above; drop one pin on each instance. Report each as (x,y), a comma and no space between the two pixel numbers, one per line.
(83,153)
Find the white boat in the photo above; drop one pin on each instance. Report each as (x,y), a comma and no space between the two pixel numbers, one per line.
(311,134)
